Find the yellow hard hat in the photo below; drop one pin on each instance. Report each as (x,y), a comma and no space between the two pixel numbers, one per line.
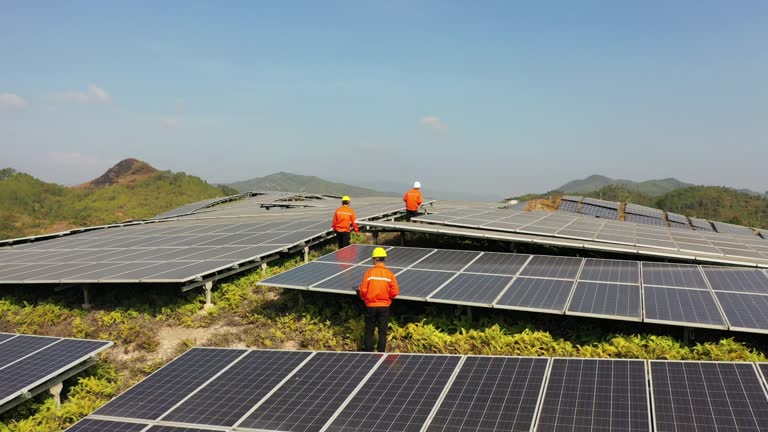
(346,198)
(379,253)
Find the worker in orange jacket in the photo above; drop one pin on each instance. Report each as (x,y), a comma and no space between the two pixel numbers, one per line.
(377,289)
(344,220)
(413,200)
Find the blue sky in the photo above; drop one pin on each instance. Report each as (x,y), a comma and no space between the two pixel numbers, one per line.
(497,98)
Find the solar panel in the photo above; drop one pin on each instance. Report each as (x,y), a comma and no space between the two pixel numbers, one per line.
(345,283)
(152,397)
(399,395)
(309,399)
(643,211)
(617,271)
(552,267)
(699,396)
(723,227)
(178,429)
(569,206)
(448,260)
(405,257)
(599,212)
(744,311)
(306,275)
(498,263)
(601,203)
(673,275)
(543,295)
(737,279)
(701,224)
(675,217)
(232,394)
(22,346)
(418,284)
(5,336)
(679,225)
(474,289)
(40,366)
(606,300)
(645,220)
(575,198)
(492,394)
(681,306)
(595,395)
(91,425)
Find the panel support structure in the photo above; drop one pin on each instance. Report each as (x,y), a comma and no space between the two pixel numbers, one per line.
(55,391)
(263,269)
(306,254)
(86,298)
(207,287)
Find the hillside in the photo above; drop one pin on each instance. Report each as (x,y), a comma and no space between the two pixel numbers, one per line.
(649,187)
(130,190)
(287,182)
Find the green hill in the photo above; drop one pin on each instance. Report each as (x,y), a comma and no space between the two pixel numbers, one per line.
(287,182)
(649,187)
(130,190)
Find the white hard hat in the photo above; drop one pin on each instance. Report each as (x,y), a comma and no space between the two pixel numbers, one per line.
(417,185)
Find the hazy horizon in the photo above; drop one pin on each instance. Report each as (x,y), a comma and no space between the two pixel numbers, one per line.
(495,98)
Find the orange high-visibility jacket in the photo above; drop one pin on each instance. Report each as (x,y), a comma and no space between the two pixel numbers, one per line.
(413,199)
(343,218)
(379,286)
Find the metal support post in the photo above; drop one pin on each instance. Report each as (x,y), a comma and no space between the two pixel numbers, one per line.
(306,254)
(86,298)
(263,269)
(402,238)
(208,303)
(375,237)
(55,391)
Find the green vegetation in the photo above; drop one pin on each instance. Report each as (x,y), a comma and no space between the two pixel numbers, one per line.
(29,206)
(151,327)
(596,182)
(287,182)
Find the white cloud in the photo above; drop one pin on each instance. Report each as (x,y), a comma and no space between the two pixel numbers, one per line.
(92,94)
(171,122)
(433,122)
(12,101)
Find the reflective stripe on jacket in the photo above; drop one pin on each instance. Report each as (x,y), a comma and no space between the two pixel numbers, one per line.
(413,199)
(343,218)
(379,286)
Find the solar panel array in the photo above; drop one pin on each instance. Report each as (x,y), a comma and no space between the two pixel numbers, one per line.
(195,206)
(602,234)
(27,362)
(174,251)
(676,294)
(348,391)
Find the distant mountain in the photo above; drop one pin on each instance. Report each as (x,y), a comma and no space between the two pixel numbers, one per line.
(132,189)
(648,187)
(127,171)
(287,182)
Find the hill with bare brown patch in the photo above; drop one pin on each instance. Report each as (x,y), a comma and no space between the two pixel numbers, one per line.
(126,172)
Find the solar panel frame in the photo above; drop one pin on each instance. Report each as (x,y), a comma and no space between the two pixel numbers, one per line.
(531,297)
(455,291)
(594,270)
(673,275)
(704,298)
(98,425)
(286,408)
(739,280)
(429,282)
(229,396)
(157,399)
(309,273)
(611,295)
(349,280)
(368,395)
(44,364)
(682,379)
(744,311)
(484,391)
(541,266)
(559,365)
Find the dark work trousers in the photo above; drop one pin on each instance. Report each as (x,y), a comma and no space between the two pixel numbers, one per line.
(343,238)
(376,317)
(410,214)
